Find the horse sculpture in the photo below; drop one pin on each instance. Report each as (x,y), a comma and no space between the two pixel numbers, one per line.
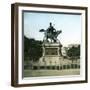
(52,37)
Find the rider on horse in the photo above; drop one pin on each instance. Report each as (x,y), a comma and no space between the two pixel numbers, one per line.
(51,29)
(50,33)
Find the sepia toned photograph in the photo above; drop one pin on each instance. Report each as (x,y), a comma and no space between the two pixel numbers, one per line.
(49,44)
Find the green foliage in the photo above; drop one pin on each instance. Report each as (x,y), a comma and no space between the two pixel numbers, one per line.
(74,52)
(32,49)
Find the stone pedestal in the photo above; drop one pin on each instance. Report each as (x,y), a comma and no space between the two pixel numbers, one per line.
(51,54)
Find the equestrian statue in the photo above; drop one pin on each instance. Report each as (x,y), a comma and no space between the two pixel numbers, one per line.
(50,34)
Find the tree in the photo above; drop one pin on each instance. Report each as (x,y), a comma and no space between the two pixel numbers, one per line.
(74,53)
(35,50)
(32,49)
(26,48)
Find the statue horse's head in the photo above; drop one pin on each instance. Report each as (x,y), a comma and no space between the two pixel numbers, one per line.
(41,30)
(58,32)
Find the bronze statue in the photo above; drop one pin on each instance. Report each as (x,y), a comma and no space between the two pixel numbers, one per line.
(51,29)
(50,33)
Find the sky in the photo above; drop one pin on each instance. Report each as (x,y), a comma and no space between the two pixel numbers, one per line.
(70,24)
